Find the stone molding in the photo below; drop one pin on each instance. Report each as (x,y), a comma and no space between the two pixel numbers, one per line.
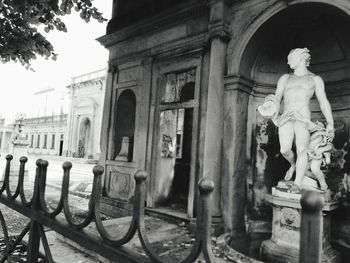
(196,43)
(182,46)
(237,82)
(90,100)
(159,21)
(218,27)
(135,58)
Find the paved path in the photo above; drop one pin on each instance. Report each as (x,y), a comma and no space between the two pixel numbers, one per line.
(81,175)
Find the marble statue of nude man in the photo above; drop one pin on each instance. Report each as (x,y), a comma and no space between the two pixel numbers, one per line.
(296,90)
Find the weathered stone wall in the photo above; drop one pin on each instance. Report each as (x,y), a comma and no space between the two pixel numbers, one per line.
(140,56)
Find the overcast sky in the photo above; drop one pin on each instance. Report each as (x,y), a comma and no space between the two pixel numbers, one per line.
(78,53)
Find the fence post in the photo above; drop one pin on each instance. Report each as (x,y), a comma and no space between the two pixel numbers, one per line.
(311,229)
(34,234)
(206,187)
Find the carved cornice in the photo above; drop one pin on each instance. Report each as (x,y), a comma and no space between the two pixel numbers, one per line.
(147,61)
(156,23)
(218,24)
(219,29)
(135,57)
(181,46)
(237,82)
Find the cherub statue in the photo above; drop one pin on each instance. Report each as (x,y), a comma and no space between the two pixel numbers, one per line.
(319,153)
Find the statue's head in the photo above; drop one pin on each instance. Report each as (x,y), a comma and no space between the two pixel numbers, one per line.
(297,56)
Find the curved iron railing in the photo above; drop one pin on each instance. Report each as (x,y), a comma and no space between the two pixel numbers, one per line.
(41,214)
(109,246)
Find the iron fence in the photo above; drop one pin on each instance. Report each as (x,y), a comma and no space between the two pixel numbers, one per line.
(105,244)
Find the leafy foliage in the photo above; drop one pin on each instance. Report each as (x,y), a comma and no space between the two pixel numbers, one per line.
(20,40)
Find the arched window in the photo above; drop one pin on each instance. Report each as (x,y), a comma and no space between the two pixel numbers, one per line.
(124,126)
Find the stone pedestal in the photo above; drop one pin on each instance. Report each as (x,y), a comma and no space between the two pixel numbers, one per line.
(283,247)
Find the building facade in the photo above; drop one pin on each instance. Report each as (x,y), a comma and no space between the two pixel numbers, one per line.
(86,96)
(184,83)
(45,135)
(55,132)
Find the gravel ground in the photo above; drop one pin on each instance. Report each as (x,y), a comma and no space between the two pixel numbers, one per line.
(172,246)
(15,224)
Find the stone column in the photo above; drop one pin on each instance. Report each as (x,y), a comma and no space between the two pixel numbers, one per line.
(67,146)
(91,145)
(75,141)
(6,143)
(3,141)
(234,161)
(218,35)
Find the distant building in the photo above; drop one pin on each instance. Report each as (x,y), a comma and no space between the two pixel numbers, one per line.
(52,131)
(45,135)
(86,96)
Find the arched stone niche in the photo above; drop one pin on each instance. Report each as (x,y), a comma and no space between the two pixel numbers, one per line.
(256,59)
(321,28)
(84,142)
(124,126)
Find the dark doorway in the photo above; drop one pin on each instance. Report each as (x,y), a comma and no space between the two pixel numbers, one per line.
(61,147)
(180,186)
(176,126)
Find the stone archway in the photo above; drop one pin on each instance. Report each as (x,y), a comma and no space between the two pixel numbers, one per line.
(253,23)
(256,60)
(84,138)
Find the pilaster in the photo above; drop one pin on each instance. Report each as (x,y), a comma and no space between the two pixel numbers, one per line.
(106,115)
(237,92)
(218,37)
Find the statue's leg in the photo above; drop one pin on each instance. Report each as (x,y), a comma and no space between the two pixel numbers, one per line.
(302,140)
(286,136)
(315,169)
